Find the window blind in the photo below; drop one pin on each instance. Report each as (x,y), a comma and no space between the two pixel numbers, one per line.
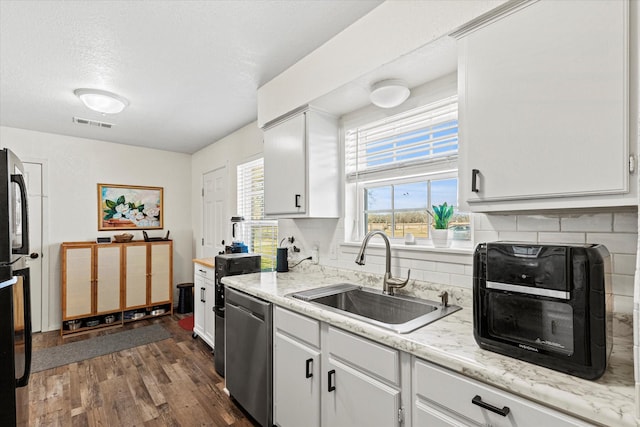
(258,233)
(420,135)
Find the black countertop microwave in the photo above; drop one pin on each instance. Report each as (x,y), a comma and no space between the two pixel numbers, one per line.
(546,304)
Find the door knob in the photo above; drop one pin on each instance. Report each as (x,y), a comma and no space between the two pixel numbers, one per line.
(34,255)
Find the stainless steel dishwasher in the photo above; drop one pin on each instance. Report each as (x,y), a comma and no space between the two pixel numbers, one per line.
(248,354)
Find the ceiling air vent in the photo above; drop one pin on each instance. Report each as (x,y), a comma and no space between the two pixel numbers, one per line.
(94,123)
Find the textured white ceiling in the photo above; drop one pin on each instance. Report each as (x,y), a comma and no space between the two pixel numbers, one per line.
(190,69)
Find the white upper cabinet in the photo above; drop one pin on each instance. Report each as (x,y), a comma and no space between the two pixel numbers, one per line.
(301,167)
(544,107)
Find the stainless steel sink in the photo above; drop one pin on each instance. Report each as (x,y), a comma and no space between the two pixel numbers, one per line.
(398,313)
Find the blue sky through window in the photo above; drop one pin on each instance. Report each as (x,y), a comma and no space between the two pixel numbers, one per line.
(381,153)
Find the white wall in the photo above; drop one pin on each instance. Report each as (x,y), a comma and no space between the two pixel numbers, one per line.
(75,167)
(243,145)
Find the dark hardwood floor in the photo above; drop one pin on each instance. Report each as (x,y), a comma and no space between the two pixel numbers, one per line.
(166,383)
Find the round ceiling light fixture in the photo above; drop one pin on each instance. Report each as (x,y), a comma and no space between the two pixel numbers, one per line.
(101,101)
(389,93)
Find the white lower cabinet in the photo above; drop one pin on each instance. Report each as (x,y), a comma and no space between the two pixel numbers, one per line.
(324,376)
(444,398)
(327,377)
(204,301)
(296,366)
(354,398)
(297,393)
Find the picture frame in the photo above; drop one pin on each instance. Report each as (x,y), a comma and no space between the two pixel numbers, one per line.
(130,207)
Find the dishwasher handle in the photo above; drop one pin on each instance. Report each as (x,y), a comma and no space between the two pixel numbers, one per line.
(248,311)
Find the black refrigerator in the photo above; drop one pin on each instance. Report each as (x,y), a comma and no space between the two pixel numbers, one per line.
(15,307)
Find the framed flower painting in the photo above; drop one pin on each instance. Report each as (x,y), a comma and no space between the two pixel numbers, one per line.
(129,207)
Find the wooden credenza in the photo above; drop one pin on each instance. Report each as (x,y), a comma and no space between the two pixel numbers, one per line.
(109,284)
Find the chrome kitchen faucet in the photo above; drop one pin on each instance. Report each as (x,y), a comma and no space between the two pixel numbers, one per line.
(389,283)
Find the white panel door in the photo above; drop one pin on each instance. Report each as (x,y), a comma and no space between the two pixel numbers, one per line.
(33,181)
(214,212)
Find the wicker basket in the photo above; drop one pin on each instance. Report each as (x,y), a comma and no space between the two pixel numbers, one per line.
(123,238)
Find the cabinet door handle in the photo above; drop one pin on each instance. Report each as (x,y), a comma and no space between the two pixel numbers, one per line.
(474,180)
(331,375)
(308,368)
(202,295)
(298,201)
(477,400)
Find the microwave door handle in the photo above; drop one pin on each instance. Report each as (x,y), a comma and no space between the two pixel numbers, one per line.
(24,248)
(26,292)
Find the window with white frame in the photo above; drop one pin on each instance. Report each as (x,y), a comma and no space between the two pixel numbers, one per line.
(400,166)
(258,233)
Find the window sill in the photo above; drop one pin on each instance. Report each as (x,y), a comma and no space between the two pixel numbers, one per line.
(459,247)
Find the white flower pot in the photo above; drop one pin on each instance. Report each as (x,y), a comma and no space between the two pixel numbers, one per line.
(440,238)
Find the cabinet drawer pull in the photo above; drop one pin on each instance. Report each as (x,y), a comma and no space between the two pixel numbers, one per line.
(308,373)
(477,400)
(298,201)
(330,376)
(474,180)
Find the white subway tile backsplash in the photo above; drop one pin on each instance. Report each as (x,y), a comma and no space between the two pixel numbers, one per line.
(461,280)
(624,264)
(622,304)
(437,277)
(602,222)
(495,222)
(617,231)
(423,265)
(622,284)
(486,236)
(516,236)
(417,275)
(537,223)
(621,243)
(625,222)
(444,267)
(556,238)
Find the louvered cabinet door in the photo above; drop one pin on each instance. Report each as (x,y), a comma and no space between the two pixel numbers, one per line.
(108,278)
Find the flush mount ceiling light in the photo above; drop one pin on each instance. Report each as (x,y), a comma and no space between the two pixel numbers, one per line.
(101,100)
(389,93)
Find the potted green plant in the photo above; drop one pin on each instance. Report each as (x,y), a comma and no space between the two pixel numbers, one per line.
(441,215)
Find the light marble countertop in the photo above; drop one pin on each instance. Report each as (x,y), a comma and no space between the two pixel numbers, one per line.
(449,342)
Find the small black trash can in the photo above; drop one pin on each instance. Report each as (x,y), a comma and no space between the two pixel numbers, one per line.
(185,298)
